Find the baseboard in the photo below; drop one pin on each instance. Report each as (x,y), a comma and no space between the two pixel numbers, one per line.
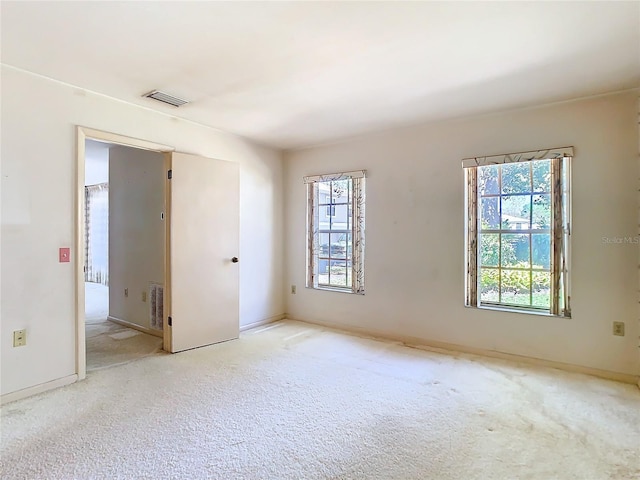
(124,323)
(36,389)
(443,347)
(259,323)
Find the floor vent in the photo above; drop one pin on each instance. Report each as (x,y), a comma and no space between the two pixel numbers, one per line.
(165,98)
(156,299)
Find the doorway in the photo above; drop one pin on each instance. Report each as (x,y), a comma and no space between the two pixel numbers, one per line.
(123,253)
(199,302)
(100,340)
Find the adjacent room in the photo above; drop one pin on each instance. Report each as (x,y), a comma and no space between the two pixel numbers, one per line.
(124,249)
(320,240)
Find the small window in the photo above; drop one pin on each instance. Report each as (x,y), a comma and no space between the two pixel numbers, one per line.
(518,231)
(335,232)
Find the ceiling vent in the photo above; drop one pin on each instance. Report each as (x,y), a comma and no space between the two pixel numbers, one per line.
(165,98)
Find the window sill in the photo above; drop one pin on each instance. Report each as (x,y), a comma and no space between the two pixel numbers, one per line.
(516,310)
(336,289)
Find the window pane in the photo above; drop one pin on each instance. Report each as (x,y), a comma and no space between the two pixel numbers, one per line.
(488,180)
(323,217)
(490,249)
(339,221)
(340,191)
(323,244)
(541,250)
(541,175)
(489,284)
(515,250)
(490,213)
(541,211)
(338,246)
(338,274)
(516,177)
(323,270)
(516,287)
(324,193)
(541,285)
(515,212)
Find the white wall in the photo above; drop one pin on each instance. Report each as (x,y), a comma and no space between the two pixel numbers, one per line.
(38,128)
(414,267)
(96,157)
(136,231)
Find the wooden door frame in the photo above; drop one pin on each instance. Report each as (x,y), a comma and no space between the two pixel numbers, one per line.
(83,134)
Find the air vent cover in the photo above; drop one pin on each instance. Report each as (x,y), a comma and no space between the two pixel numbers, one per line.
(165,98)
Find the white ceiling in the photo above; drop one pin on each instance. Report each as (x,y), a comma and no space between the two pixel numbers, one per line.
(292,74)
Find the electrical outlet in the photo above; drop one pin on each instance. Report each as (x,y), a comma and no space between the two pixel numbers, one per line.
(126,292)
(618,328)
(293,289)
(19,338)
(144,296)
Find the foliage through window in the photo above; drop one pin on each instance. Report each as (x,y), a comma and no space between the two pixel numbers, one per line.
(335,240)
(518,231)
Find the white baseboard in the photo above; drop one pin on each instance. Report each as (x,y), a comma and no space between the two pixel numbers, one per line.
(259,323)
(124,323)
(443,347)
(36,389)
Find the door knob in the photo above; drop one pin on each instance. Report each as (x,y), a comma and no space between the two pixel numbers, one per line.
(234,259)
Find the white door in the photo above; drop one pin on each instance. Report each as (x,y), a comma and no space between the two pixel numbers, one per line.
(203,249)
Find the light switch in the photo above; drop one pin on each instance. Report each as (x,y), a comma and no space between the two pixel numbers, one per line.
(65,255)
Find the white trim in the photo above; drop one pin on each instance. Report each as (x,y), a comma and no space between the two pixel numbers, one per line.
(335,176)
(124,140)
(262,322)
(124,323)
(449,348)
(36,389)
(544,154)
(79,204)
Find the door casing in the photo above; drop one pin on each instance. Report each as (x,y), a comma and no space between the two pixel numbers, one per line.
(84,133)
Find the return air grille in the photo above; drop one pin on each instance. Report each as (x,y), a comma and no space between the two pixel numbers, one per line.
(156,294)
(165,98)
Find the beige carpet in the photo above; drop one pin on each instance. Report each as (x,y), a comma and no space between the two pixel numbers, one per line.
(294,401)
(109,343)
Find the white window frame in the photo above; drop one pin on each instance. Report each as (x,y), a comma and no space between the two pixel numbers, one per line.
(356,230)
(560,231)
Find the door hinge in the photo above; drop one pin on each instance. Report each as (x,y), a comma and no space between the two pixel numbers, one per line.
(170,174)
(169,321)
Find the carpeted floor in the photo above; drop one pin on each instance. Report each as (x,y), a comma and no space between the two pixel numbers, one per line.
(295,401)
(109,343)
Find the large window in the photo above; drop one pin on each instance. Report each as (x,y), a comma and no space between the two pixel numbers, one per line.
(518,231)
(335,232)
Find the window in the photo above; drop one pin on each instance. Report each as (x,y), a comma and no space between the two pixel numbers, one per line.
(335,232)
(517,252)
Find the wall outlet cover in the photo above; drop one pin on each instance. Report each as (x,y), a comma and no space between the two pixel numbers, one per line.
(19,338)
(618,329)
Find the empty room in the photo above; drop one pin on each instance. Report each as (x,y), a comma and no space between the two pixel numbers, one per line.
(349,240)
